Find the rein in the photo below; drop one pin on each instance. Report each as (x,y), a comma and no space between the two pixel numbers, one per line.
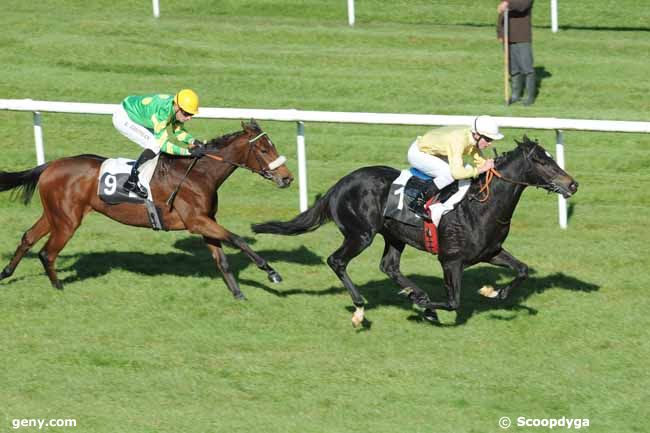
(485,188)
(266,173)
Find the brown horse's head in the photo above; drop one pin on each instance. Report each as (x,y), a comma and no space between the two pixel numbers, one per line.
(252,148)
(263,157)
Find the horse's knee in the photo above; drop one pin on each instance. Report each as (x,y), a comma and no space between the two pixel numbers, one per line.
(43,257)
(523,272)
(223,265)
(335,263)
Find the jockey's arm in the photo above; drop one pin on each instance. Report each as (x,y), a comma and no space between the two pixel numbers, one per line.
(456,164)
(167,146)
(182,135)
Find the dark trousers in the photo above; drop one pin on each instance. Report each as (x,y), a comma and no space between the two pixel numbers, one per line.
(521,58)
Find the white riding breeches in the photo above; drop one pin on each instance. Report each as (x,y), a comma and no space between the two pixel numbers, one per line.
(440,171)
(134,132)
(430,165)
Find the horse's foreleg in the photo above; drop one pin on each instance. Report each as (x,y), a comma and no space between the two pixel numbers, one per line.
(31,236)
(208,228)
(261,263)
(390,265)
(352,246)
(504,259)
(222,264)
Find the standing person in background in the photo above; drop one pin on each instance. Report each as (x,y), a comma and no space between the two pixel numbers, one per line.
(520,37)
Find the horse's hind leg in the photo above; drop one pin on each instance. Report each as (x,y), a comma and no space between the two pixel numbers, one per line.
(64,221)
(353,245)
(31,236)
(390,265)
(222,264)
(50,251)
(453,273)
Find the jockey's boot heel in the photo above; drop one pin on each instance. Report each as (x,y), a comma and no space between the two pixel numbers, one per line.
(133,185)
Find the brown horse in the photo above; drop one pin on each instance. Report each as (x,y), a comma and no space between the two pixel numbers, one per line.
(68,189)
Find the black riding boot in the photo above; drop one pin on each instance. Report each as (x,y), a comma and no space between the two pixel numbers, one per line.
(132,184)
(531,89)
(418,205)
(517,86)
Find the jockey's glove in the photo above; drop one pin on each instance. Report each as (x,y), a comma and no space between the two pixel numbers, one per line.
(198,151)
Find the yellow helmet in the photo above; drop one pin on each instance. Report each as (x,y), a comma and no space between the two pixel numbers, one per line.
(187,100)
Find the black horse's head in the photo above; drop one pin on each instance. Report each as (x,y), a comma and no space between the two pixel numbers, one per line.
(253,149)
(538,168)
(544,171)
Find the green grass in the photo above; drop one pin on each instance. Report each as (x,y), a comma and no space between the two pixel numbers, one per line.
(146,337)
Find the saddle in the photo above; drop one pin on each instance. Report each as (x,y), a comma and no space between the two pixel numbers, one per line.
(110,188)
(408,187)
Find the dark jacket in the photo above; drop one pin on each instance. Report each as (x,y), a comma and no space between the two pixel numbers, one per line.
(519,23)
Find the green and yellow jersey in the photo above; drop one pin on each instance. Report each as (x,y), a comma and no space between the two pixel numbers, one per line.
(156,113)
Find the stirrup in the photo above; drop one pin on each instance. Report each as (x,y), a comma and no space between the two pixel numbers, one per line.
(419,209)
(136,188)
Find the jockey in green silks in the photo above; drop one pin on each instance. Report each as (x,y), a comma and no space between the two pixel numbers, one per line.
(145,119)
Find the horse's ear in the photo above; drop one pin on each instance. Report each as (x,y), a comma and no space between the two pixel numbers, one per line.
(244,126)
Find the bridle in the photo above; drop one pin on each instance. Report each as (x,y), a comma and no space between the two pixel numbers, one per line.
(489,176)
(264,172)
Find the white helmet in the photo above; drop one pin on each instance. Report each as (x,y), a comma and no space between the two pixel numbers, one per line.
(485,125)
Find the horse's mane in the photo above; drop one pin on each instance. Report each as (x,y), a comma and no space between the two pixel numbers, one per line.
(510,155)
(504,159)
(226,139)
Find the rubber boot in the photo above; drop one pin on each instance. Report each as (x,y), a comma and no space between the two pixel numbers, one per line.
(517,86)
(531,89)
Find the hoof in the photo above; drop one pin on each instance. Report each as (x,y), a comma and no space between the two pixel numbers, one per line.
(406,291)
(431,316)
(58,285)
(239,296)
(489,292)
(274,277)
(5,273)
(357,317)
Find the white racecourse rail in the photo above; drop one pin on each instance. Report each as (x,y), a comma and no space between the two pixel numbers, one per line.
(298,116)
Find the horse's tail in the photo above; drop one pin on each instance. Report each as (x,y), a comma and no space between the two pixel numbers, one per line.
(26,180)
(308,221)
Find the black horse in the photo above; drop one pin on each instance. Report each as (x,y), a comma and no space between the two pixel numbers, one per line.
(473,232)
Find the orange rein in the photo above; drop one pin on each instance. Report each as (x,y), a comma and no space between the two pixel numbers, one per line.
(485,189)
(215,157)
